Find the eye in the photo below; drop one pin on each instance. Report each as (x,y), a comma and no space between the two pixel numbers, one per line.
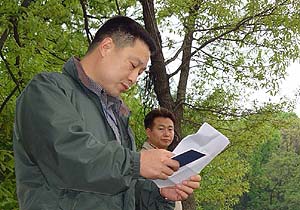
(133,66)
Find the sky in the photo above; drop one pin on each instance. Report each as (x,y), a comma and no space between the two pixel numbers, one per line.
(288,87)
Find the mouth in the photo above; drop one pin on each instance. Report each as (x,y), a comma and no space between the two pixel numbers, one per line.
(167,140)
(125,86)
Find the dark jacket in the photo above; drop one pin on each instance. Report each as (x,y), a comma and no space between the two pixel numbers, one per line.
(146,190)
(66,154)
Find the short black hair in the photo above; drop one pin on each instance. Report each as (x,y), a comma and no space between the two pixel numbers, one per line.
(123,31)
(159,112)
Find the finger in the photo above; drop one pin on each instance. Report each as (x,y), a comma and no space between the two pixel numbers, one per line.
(168,153)
(183,195)
(191,184)
(163,176)
(186,189)
(196,178)
(167,170)
(173,164)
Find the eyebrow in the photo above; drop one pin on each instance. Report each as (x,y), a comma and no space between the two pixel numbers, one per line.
(169,126)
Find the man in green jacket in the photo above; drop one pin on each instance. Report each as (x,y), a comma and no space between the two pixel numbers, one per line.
(72,143)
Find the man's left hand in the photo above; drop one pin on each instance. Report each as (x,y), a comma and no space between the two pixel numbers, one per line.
(181,191)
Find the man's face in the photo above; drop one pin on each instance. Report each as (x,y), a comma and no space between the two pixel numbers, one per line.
(162,133)
(119,67)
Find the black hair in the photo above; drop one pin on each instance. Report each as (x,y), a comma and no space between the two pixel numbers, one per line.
(123,31)
(159,112)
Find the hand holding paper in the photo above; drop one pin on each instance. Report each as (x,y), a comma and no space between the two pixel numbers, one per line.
(157,164)
(194,152)
(182,191)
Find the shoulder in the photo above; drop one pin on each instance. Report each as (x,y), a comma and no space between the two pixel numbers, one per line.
(50,77)
(47,80)
(147,146)
(47,83)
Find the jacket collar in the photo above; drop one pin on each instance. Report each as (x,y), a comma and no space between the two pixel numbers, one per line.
(74,69)
(71,69)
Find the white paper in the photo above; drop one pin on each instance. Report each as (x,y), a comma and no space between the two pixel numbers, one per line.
(207,140)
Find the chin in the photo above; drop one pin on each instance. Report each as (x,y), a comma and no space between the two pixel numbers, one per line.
(115,94)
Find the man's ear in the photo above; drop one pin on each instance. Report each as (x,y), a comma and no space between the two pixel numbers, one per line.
(105,46)
(148,131)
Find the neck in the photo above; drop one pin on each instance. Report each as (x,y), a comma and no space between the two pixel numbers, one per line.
(89,63)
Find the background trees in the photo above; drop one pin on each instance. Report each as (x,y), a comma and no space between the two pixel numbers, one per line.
(210,55)
(274,179)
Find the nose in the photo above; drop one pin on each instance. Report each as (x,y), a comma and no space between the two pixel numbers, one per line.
(167,132)
(132,77)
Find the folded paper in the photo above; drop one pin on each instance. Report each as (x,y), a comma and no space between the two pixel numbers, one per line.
(207,141)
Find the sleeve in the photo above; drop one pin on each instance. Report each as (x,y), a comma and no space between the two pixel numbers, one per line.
(148,197)
(53,134)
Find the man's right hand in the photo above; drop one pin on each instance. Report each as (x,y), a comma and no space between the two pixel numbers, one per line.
(157,164)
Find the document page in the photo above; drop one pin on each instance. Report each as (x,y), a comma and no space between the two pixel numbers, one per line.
(194,152)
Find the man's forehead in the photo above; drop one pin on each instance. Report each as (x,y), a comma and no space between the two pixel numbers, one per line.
(164,124)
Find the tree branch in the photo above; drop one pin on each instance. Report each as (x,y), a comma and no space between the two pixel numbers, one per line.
(9,70)
(3,38)
(175,56)
(267,11)
(86,22)
(17,39)
(5,34)
(53,54)
(246,19)
(118,7)
(8,98)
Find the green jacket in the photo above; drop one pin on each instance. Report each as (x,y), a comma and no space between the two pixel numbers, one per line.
(146,190)
(66,155)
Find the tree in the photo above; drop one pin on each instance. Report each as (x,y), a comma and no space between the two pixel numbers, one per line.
(263,32)
(274,174)
(279,183)
(226,45)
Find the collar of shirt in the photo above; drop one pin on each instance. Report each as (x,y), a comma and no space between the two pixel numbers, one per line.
(109,101)
(147,145)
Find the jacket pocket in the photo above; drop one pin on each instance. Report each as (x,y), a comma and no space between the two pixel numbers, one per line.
(68,199)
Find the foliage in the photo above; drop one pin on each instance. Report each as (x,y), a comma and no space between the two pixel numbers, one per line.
(274,175)
(7,181)
(277,187)
(251,137)
(138,112)
(7,177)
(235,45)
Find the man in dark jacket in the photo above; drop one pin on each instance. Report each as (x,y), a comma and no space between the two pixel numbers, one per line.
(72,143)
(159,126)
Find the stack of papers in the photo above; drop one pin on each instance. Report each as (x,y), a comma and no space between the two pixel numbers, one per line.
(194,152)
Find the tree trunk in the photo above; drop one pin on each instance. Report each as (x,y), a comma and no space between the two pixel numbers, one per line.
(158,69)
(184,74)
(161,79)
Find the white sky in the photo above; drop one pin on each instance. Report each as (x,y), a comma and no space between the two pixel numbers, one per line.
(291,84)
(288,88)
